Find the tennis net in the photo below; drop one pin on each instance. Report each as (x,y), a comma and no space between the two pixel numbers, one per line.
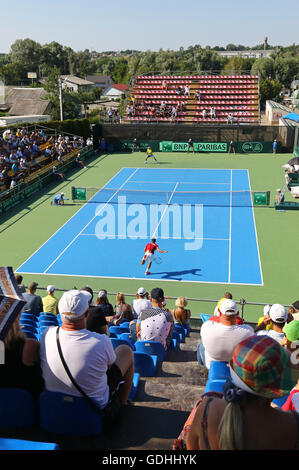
(148,197)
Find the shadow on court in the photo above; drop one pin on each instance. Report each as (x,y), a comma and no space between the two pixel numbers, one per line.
(178,275)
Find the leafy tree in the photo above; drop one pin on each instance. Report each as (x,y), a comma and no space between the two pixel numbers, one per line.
(71,105)
(26,52)
(269,89)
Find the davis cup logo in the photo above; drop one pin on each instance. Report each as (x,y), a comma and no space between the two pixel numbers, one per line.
(252,147)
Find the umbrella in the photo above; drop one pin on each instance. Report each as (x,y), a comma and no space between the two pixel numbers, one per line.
(294,161)
(11,301)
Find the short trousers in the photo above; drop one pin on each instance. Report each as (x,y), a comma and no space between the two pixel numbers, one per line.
(114,379)
(148,256)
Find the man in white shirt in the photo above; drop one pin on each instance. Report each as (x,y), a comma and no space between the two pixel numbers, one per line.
(141,302)
(97,368)
(218,339)
(278,316)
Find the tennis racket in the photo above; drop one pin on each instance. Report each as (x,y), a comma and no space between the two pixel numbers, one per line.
(157,259)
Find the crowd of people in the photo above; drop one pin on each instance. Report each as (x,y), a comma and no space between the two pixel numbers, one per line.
(243,416)
(22,152)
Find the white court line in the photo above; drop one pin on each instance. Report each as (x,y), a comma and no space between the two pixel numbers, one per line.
(256,237)
(179,182)
(230,226)
(144,279)
(164,212)
(96,215)
(146,237)
(83,206)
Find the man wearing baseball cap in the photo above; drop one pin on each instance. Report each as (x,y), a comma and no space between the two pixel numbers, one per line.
(278,315)
(218,339)
(141,302)
(96,367)
(50,303)
(155,323)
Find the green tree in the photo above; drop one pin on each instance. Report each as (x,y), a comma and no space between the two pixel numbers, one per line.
(71,105)
(269,89)
(26,52)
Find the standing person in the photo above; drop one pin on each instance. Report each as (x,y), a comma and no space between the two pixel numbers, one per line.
(155,323)
(190,145)
(149,253)
(50,303)
(34,302)
(135,145)
(275,146)
(149,153)
(232,147)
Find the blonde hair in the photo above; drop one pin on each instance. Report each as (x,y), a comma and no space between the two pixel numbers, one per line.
(231,428)
(120,298)
(181,302)
(14,333)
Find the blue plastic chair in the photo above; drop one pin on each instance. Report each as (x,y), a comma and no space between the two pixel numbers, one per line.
(153,348)
(118,330)
(118,342)
(214,385)
(204,317)
(47,322)
(18,444)
(46,315)
(144,364)
(69,415)
(134,387)
(280,401)
(181,329)
(28,316)
(173,343)
(128,337)
(125,324)
(30,334)
(219,370)
(17,408)
(176,335)
(27,325)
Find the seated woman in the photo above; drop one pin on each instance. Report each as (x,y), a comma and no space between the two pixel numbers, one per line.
(242,418)
(22,362)
(180,314)
(123,311)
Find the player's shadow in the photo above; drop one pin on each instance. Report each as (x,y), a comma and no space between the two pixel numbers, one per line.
(178,275)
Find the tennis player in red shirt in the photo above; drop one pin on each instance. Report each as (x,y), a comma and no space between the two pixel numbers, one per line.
(149,253)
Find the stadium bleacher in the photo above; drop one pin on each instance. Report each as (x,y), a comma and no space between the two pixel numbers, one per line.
(156,98)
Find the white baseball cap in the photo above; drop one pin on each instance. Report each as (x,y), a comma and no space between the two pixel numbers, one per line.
(228,307)
(141,291)
(267,309)
(102,293)
(278,313)
(50,288)
(75,302)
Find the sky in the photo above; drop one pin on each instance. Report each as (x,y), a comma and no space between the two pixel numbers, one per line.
(149,24)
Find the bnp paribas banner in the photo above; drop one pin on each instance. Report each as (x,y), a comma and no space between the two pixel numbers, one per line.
(198,146)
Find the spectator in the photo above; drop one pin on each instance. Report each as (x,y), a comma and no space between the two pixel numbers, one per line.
(216,316)
(278,316)
(103,303)
(230,118)
(290,342)
(141,302)
(123,311)
(50,303)
(79,161)
(22,362)
(264,323)
(218,339)
(242,418)
(197,95)
(94,364)
(204,113)
(155,323)
(103,145)
(180,314)
(34,302)
(295,309)
(19,280)
(58,174)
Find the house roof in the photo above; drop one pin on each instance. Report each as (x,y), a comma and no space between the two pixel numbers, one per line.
(120,86)
(75,80)
(101,79)
(25,101)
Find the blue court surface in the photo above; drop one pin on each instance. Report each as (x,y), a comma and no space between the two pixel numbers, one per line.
(203,217)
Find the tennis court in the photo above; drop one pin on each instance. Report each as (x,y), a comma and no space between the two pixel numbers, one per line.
(203,217)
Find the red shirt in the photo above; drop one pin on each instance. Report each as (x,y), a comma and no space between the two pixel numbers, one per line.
(215,318)
(151,247)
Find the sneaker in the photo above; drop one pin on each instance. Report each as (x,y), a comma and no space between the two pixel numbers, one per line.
(147,272)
